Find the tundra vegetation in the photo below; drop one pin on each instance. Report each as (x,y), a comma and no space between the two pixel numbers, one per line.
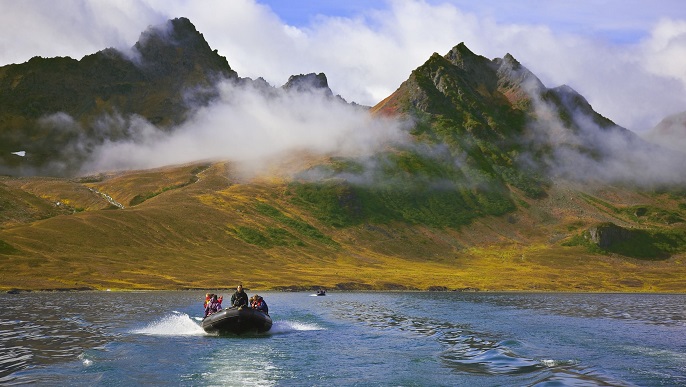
(500,184)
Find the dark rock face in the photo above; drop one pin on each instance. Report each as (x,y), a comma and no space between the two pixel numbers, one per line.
(309,82)
(178,49)
(606,235)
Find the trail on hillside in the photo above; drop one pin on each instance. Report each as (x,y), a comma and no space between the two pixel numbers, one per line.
(107,197)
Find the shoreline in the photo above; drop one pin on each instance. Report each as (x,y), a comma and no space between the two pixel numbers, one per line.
(334,290)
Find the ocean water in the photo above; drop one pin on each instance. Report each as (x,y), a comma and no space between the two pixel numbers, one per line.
(347,339)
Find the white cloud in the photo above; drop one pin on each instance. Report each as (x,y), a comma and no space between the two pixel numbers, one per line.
(590,153)
(251,127)
(71,28)
(665,50)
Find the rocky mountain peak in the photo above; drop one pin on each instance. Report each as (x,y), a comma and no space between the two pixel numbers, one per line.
(177,45)
(508,58)
(515,81)
(308,82)
(670,132)
(175,32)
(461,56)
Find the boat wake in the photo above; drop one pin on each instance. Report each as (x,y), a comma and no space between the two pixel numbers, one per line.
(175,324)
(181,324)
(293,326)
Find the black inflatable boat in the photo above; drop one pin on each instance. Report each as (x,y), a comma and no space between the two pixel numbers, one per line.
(234,320)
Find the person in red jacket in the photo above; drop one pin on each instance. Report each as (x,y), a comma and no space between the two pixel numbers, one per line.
(259,304)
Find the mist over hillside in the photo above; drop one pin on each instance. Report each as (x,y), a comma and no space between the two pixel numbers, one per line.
(670,132)
(170,99)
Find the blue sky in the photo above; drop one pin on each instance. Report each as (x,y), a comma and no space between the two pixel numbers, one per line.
(619,21)
(302,12)
(627,57)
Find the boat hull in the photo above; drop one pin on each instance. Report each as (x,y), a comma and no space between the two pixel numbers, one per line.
(233,320)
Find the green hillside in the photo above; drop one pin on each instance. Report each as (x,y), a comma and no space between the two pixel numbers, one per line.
(206,228)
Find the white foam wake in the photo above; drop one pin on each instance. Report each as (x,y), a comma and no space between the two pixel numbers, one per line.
(177,324)
(293,326)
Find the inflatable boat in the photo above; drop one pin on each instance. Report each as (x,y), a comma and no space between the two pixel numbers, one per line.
(237,320)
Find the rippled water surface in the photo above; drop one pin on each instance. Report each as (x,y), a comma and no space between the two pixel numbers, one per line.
(396,339)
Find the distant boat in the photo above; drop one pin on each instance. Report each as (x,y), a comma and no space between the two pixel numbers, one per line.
(321,292)
(237,320)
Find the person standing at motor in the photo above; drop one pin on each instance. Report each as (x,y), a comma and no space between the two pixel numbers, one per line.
(239,298)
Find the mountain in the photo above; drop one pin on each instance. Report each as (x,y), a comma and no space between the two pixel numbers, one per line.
(500,113)
(57,109)
(486,133)
(503,184)
(309,82)
(670,132)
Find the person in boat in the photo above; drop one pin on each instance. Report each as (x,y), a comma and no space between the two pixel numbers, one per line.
(213,306)
(208,297)
(239,298)
(259,304)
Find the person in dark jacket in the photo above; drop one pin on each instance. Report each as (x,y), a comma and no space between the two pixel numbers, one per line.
(213,306)
(239,298)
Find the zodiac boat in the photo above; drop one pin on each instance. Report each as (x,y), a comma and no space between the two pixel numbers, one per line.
(237,320)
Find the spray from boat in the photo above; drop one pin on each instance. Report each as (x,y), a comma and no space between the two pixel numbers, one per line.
(182,324)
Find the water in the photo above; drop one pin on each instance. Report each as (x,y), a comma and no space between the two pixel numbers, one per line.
(344,339)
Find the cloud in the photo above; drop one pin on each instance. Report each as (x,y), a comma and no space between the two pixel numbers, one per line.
(665,50)
(73,28)
(252,127)
(584,151)
(670,132)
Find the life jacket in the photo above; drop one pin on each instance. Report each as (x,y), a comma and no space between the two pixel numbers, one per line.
(261,305)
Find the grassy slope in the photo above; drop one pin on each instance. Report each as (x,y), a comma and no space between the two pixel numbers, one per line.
(202,226)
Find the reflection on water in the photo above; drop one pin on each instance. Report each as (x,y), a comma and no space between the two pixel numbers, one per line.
(346,339)
(236,365)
